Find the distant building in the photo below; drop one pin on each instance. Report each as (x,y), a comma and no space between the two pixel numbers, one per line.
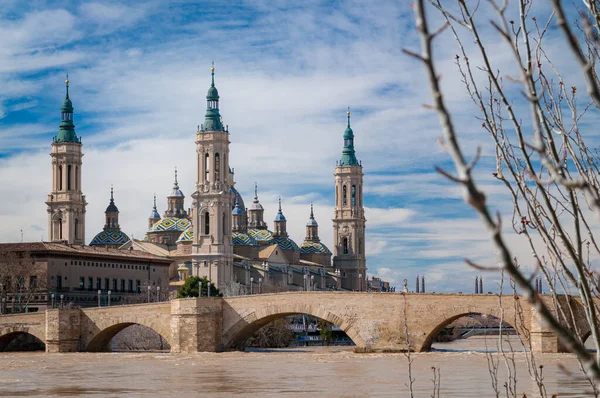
(377,285)
(77,273)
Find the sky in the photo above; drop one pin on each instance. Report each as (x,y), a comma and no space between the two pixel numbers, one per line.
(139,73)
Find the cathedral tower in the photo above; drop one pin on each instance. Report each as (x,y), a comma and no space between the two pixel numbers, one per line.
(175,202)
(112,215)
(349,218)
(66,203)
(280,224)
(154,216)
(312,228)
(256,213)
(211,215)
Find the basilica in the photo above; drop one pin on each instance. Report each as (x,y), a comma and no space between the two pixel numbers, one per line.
(219,237)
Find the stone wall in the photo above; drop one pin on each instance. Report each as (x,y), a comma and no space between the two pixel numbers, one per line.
(374,321)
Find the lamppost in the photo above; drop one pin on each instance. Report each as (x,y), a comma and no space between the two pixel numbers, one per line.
(149,287)
(99,297)
(312,282)
(259,285)
(62,296)
(251,284)
(52,295)
(304,281)
(157,294)
(208,288)
(200,288)
(109,298)
(360,282)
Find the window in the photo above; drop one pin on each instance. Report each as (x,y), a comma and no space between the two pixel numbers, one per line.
(58,282)
(353,195)
(60,236)
(76,229)
(122,285)
(69,177)
(138,286)
(76,177)
(114,285)
(98,284)
(106,283)
(206,167)
(90,283)
(206,223)
(224,226)
(81,283)
(344,197)
(32,282)
(60,178)
(345,245)
(217,166)
(359,246)
(130,285)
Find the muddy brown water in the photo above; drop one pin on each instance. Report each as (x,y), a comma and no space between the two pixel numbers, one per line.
(300,372)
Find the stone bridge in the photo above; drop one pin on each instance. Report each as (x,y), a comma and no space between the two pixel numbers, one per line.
(374,321)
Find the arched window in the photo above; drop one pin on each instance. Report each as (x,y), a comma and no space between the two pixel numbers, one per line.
(345,196)
(206,223)
(69,177)
(60,178)
(76,177)
(60,228)
(336,196)
(360,195)
(217,166)
(353,195)
(359,246)
(206,167)
(345,245)
(76,228)
(224,225)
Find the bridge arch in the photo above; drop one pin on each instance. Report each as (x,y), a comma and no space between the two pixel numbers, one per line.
(248,325)
(101,340)
(7,335)
(435,328)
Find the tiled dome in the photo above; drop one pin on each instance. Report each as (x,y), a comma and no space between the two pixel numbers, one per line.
(262,236)
(171,224)
(313,247)
(110,238)
(241,239)
(286,243)
(186,236)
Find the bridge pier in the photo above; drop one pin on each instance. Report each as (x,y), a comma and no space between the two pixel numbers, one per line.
(63,330)
(541,338)
(196,325)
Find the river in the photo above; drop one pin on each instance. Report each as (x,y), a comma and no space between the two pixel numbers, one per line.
(302,372)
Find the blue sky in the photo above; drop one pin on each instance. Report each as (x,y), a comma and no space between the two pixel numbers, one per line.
(139,74)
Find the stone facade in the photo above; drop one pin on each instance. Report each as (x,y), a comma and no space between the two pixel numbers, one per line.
(374,321)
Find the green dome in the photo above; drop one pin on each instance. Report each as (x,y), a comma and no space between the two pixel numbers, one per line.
(348,154)
(67,106)
(66,131)
(213,93)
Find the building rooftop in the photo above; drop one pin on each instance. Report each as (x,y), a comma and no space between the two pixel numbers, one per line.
(62,248)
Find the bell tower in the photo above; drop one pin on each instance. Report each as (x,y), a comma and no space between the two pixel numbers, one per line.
(212,249)
(66,203)
(349,217)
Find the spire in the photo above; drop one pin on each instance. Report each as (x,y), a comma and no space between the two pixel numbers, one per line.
(348,155)
(312,214)
(176,186)
(66,131)
(212,121)
(312,228)
(279,217)
(154,215)
(255,203)
(112,208)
